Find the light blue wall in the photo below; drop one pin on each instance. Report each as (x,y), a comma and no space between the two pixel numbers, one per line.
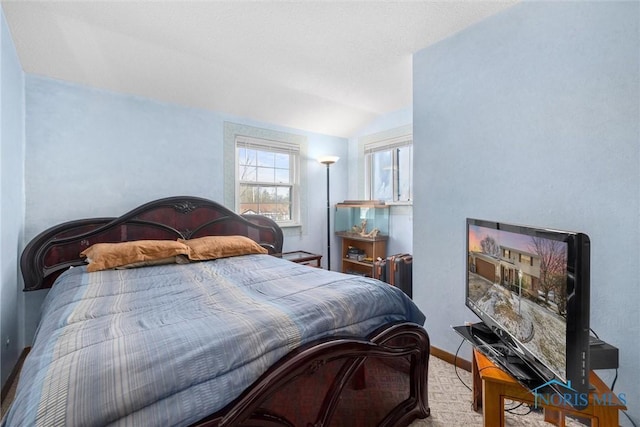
(93,153)
(532,116)
(89,152)
(11,199)
(400,217)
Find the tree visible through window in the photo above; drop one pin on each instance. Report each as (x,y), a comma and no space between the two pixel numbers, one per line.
(267,178)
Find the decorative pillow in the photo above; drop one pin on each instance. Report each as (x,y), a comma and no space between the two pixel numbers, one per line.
(103,256)
(212,247)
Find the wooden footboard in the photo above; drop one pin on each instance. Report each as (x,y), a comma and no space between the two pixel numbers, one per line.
(316,385)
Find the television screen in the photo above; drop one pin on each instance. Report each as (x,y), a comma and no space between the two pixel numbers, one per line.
(530,286)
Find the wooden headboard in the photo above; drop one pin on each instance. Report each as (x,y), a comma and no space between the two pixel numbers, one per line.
(58,248)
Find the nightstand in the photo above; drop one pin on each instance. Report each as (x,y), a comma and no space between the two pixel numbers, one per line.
(302,257)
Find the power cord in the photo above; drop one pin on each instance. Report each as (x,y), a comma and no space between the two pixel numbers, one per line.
(455,365)
(629,418)
(511,410)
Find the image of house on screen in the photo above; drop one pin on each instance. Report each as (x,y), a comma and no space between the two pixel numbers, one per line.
(512,268)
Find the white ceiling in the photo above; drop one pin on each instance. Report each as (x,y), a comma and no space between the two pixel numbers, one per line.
(325,66)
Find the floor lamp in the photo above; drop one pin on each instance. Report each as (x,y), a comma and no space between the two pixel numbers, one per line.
(328,160)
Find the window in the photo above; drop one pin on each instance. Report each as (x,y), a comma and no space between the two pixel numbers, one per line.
(267,179)
(389,169)
(269,140)
(526,259)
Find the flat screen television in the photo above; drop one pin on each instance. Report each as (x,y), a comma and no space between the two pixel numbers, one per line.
(530,287)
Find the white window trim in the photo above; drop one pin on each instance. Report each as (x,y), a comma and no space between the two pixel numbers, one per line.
(396,137)
(281,147)
(230,132)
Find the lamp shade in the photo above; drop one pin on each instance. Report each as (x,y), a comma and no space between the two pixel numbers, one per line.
(328,160)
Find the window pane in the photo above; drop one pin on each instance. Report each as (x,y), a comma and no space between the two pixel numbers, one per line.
(405,173)
(247,173)
(266,175)
(248,199)
(248,194)
(284,194)
(273,202)
(266,159)
(267,195)
(282,176)
(242,156)
(284,212)
(284,203)
(246,156)
(282,160)
(382,175)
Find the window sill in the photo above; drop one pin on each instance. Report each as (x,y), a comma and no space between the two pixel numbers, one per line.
(290,225)
(409,203)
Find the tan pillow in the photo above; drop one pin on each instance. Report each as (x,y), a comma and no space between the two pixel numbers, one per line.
(178,259)
(212,247)
(102,256)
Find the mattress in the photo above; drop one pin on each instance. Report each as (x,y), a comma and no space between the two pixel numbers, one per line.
(169,345)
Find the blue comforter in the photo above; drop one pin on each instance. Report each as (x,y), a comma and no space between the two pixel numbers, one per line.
(169,345)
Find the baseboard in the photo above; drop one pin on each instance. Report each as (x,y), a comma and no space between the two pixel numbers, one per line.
(451,358)
(14,373)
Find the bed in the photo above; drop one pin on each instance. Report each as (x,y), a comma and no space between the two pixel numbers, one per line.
(246,339)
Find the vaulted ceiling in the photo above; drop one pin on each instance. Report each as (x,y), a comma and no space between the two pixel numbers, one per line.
(324,66)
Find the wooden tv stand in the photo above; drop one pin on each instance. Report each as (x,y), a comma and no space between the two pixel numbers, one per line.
(492,385)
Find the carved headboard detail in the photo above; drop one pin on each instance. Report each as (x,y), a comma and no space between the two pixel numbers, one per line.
(58,248)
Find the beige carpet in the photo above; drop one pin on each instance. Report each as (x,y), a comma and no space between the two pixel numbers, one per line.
(450,402)
(449,399)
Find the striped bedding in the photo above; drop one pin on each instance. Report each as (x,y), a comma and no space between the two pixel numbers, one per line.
(169,345)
